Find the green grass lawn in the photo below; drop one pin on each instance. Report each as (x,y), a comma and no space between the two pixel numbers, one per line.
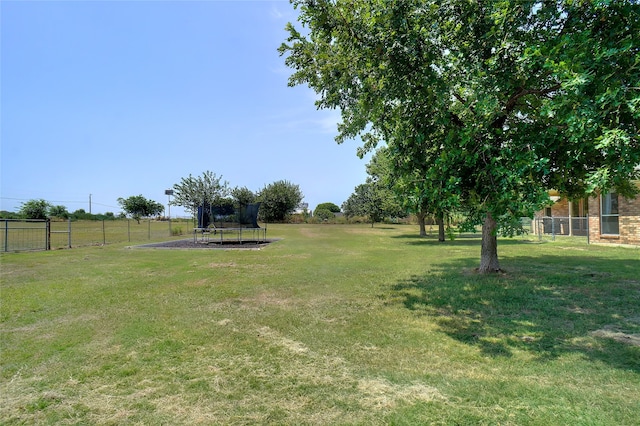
(329,325)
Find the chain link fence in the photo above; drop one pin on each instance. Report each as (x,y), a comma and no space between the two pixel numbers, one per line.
(548,227)
(25,235)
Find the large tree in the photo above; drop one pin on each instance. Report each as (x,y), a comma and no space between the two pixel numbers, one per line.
(194,191)
(326,211)
(242,196)
(506,99)
(138,206)
(279,199)
(373,200)
(327,206)
(35,209)
(418,184)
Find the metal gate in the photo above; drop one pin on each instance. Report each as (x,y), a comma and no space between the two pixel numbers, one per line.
(23,235)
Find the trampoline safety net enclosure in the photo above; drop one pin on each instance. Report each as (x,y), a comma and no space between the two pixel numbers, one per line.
(220,224)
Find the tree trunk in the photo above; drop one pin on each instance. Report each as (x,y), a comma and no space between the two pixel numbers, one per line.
(421,221)
(489,251)
(440,222)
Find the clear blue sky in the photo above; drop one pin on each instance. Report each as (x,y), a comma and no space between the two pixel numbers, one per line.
(120,98)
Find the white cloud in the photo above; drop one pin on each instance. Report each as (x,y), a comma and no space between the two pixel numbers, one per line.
(281,70)
(276,13)
(302,120)
(329,123)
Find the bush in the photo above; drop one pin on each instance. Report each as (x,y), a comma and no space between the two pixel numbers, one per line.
(59,211)
(35,209)
(324,214)
(298,218)
(327,206)
(279,200)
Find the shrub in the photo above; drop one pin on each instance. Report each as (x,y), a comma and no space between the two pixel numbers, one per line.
(327,206)
(324,214)
(279,200)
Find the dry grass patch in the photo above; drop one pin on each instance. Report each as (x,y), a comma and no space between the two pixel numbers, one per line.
(380,394)
(267,298)
(217,265)
(275,338)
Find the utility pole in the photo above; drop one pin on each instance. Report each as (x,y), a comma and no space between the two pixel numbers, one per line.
(169,193)
(89,203)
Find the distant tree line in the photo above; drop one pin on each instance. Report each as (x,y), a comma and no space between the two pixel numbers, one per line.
(278,201)
(42,209)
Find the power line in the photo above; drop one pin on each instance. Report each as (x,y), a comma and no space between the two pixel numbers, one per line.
(105,205)
(49,201)
(59,201)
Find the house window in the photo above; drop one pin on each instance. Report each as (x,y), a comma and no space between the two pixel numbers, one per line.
(579,208)
(609,214)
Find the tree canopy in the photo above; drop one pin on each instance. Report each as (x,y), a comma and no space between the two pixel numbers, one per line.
(503,100)
(374,201)
(59,211)
(194,191)
(242,196)
(137,207)
(333,208)
(326,211)
(35,209)
(419,186)
(279,199)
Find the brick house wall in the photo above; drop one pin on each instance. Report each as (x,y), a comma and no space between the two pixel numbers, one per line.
(564,223)
(560,208)
(628,222)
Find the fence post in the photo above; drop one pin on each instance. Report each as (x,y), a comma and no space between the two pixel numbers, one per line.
(540,229)
(588,234)
(553,229)
(6,235)
(149,228)
(129,229)
(104,235)
(69,231)
(48,236)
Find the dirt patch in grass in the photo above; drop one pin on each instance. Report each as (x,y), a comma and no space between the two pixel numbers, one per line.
(618,336)
(197,245)
(625,331)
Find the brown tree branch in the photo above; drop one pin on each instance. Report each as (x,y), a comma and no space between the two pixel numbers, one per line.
(456,120)
(522,92)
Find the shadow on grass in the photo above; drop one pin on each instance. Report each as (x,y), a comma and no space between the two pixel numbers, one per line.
(469,239)
(434,236)
(547,306)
